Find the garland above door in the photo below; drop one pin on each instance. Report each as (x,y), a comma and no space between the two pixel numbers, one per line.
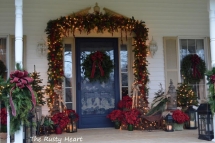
(85,22)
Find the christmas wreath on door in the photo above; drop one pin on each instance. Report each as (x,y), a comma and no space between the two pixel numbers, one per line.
(97,66)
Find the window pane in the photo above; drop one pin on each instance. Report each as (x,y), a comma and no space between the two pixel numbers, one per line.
(124,58)
(200,48)
(69,105)
(191,46)
(124,91)
(183,48)
(124,79)
(68,95)
(68,82)
(68,61)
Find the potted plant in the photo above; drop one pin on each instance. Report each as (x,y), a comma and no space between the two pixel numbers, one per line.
(60,120)
(131,118)
(179,118)
(3,121)
(116,117)
(46,125)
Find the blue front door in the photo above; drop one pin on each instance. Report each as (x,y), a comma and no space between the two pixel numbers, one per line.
(95,99)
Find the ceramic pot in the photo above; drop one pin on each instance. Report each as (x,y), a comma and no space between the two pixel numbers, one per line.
(178,127)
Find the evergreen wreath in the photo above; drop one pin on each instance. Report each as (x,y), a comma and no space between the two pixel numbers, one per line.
(211,82)
(97,66)
(2,68)
(192,68)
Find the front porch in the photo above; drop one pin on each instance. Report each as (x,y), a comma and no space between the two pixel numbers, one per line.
(110,135)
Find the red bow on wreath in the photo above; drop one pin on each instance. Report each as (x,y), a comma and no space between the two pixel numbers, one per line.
(195,61)
(97,57)
(21,80)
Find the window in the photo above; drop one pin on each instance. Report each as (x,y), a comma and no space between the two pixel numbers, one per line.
(7,52)
(194,46)
(68,75)
(124,69)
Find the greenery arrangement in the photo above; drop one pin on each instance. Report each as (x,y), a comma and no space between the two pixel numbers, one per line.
(61,27)
(97,66)
(2,68)
(192,68)
(159,102)
(211,91)
(186,96)
(21,98)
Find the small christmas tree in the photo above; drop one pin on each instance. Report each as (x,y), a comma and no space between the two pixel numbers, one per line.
(38,88)
(186,96)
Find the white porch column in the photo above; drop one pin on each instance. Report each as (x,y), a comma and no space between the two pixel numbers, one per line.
(18,51)
(18,32)
(211,9)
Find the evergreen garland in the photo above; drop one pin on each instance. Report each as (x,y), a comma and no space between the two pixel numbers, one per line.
(37,88)
(186,96)
(192,68)
(22,102)
(211,91)
(106,65)
(63,26)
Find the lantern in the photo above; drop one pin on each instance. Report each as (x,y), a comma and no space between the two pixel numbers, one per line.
(169,123)
(72,126)
(28,130)
(192,123)
(205,122)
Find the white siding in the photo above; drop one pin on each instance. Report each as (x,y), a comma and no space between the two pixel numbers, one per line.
(162,17)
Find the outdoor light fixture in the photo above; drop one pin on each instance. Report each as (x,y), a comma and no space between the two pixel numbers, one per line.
(72,126)
(169,123)
(41,48)
(205,122)
(192,123)
(152,47)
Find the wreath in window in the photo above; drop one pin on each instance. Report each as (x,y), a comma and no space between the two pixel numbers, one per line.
(97,66)
(192,68)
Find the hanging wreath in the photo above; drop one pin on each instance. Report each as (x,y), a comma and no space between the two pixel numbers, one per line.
(97,66)
(192,68)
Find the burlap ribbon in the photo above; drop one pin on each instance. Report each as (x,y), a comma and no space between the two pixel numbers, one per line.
(21,80)
(136,89)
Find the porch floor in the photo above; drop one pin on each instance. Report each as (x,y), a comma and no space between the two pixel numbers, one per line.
(110,135)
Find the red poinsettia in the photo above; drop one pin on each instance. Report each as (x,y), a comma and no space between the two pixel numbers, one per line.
(69,111)
(131,117)
(3,116)
(60,119)
(115,115)
(180,117)
(126,102)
